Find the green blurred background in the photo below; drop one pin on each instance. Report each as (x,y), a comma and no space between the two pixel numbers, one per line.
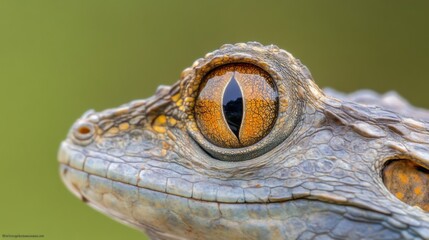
(60,58)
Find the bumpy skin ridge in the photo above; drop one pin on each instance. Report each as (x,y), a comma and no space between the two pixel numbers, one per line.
(143,164)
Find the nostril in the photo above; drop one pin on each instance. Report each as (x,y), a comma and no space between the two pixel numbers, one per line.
(84,130)
(83,133)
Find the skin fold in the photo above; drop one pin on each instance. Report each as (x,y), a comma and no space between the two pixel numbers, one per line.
(317,173)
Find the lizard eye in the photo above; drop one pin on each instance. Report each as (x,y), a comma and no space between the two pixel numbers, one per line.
(237,105)
(408,182)
(242,100)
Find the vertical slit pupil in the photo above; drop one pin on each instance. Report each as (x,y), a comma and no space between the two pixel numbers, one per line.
(233,106)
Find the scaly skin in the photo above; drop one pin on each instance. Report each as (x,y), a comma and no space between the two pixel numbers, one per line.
(316,176)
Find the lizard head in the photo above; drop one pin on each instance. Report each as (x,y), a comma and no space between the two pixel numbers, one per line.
(246,146)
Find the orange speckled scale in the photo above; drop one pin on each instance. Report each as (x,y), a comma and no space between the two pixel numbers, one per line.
(408,182)
(160,123)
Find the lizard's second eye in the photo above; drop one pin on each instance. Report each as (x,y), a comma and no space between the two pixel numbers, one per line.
(237,105)
(408,181)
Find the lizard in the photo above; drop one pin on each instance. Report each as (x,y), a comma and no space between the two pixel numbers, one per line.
(246,146)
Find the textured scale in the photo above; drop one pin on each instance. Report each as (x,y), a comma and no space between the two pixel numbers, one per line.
(146,163)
